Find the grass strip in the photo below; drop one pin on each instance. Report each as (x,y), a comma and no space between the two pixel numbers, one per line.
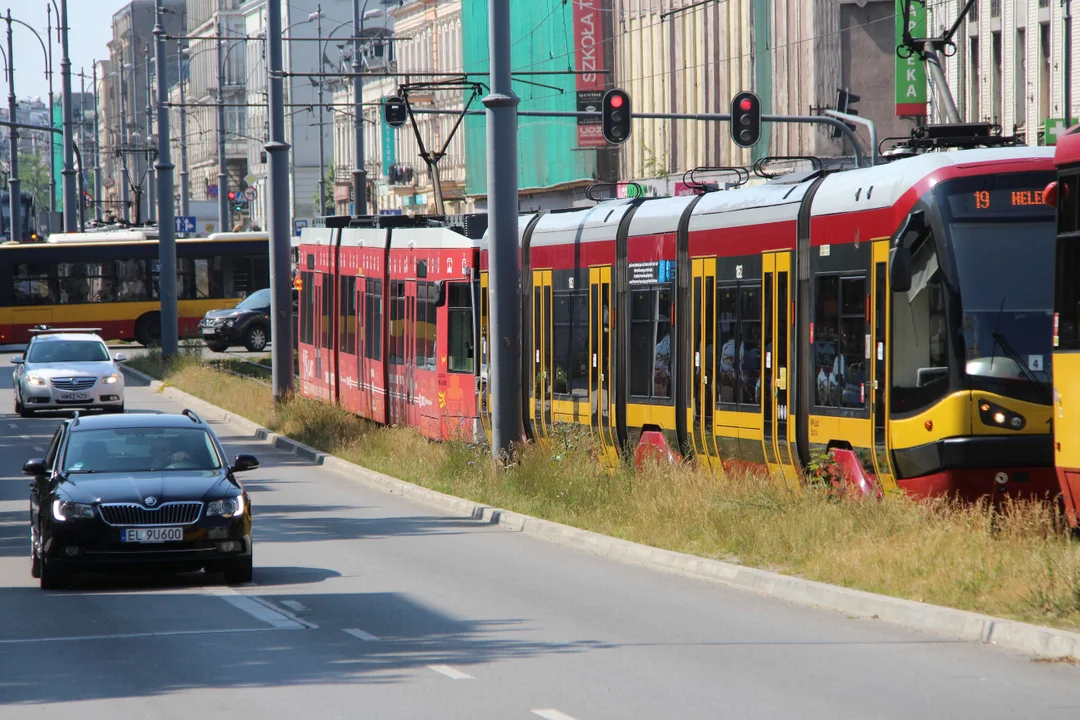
(1018,562)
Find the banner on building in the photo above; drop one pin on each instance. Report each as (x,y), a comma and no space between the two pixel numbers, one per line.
(389,148)
(589,62)
(910,72)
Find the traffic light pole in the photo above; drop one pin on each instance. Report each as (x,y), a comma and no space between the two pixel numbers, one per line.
(164,167)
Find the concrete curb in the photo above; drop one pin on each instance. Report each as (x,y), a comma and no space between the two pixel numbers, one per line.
(959,624)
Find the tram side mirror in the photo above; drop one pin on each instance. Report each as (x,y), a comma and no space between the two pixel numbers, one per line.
(900,269)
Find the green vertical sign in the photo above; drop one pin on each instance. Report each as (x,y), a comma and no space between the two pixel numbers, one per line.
(389,148)
(910,72)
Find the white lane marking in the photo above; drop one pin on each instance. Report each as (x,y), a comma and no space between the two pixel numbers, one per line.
(294,606)
(38,449)
(550,714)
(450,672)
(359,634)
(272,616)
(25,437)
(129,636)
(11,425)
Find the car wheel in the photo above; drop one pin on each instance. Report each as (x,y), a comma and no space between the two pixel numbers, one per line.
(239,571)
(18,405)
(25,412)
(35,559)
(217,347)
(255,339)
(52,578)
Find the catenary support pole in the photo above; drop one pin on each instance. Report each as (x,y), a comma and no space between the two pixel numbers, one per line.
(14,206)
(359,172)
(184,194)
(52,121)
(125,176)
(151,216)
(222,170)
(1068,62)
(71,205)
(97,148)
(505,264)
(277,214)
(322,148)
(164,167)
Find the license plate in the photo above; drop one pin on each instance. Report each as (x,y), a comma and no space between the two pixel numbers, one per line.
(73,397)
(153,535)
(208,331)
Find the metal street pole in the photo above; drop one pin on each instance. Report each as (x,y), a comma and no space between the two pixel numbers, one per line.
(15,230)
(502,179)
(52,115)
(322,149)
(70,199)
(150,216)
(1068,62)
(359,172)
(98,215)
(277,213)
(223,178)
(184,194)
(82,145)
(125,179)
(166,231)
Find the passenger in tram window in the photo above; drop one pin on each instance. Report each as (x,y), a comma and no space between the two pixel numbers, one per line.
(727,372)
(662,366)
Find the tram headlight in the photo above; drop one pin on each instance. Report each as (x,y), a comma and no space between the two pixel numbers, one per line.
(994,415)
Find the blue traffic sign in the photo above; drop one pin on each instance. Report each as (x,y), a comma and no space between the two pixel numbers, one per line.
(184,223)
(299,225)
(212,191)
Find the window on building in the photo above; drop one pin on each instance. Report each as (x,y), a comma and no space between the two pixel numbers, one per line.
(996,86)
(1020,95)
(651,345)
(976,99)
(1044,70)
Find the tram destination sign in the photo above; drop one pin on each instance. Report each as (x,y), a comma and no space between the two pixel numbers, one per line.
(999,203)
(653,272)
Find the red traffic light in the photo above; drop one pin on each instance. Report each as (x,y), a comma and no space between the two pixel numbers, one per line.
(232,195)
(746,104)
(616,101)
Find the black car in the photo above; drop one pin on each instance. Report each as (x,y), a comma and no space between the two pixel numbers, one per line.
(138,491)
(247,324)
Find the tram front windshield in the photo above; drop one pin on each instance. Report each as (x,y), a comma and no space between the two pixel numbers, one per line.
(1001,238)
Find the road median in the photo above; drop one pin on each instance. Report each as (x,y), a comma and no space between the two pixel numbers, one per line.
(936,567)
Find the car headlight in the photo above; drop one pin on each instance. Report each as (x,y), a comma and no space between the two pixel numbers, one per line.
(66,510)
(111,379)
(35,380)
(229,323)
(229,507)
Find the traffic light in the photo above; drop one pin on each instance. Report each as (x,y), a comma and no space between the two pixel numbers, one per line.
(615,116)
(745,119)
(232,195)
(844,101)
(395,111)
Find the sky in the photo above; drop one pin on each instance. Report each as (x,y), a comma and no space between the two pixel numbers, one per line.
(91,29)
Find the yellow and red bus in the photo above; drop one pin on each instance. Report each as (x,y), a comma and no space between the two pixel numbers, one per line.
(109,280)
(1065,193)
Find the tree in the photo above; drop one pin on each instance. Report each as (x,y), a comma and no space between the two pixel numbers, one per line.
(328,184)
(34,174)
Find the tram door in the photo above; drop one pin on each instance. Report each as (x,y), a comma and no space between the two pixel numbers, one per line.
(778,423)
(411,413)
(483,379)
(704,359)
(878,408)
(540,409)
(602,360)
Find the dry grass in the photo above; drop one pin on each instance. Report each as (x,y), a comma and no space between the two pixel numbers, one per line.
(1018,561)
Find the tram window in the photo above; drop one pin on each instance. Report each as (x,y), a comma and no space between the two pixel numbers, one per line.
(1067,303)
(919,370)
(571,328)
(460,329)
(373,315)
(750,345)
(327,312)
(840,341)
(650,342)
(308,309)
(425,325)
(348,315)
(738,330)
(727,331)
(397,322)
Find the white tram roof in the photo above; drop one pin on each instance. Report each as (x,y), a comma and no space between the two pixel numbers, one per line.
(758,205)
(838,192)
(593,224)
(363,237)
(430,238)
(659,216)
(317,236)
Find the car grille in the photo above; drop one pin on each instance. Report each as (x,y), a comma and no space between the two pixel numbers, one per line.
(74,383)
(174,513)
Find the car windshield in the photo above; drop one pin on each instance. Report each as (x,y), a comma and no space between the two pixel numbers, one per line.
(256,301)
(68,351)
(1006,275)
(130,450)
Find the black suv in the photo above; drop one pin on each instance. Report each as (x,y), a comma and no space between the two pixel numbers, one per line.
(247,324)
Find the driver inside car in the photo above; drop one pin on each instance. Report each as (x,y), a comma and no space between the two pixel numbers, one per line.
(164,456)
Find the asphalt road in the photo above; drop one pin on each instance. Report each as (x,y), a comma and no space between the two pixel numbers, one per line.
(366,606)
